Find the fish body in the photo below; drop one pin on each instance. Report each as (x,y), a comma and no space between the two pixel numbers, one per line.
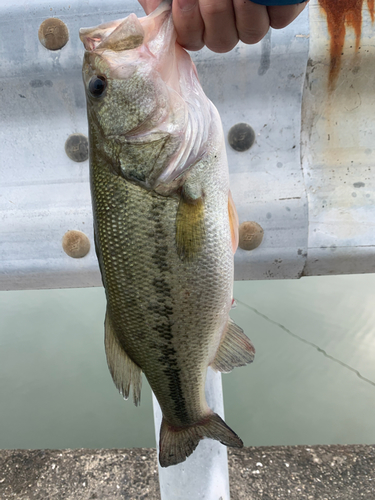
(165,225)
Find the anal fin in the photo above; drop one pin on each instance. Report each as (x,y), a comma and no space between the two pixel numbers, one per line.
(124,371)
(235,349)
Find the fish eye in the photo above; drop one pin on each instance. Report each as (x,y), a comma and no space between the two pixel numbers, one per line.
(97,85)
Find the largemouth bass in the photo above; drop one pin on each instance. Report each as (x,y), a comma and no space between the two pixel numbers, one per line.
(165,225)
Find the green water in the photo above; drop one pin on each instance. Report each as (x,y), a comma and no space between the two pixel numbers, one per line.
(56,391)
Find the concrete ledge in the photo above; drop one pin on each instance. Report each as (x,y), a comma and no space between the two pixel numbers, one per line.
(287,472)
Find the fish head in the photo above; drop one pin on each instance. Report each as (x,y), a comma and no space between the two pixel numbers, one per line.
(125,67)
(142,88)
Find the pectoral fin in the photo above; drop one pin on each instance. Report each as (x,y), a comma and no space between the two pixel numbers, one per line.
(190,228)
(123,370)
(235,349)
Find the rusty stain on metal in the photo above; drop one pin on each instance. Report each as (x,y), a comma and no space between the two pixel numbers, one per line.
(371,8)
(53,33)
(339,14)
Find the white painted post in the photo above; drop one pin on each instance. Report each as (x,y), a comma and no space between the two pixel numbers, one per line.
(204,475)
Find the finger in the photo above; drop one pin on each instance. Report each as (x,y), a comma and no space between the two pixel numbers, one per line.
(281,16)
(188,23)
(220,33)
(149,5)
(252,21)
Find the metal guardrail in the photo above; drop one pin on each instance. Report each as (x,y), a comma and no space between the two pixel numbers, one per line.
(338,154)
(307,180)
(44,193)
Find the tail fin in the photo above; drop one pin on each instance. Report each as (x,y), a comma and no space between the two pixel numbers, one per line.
(176,444)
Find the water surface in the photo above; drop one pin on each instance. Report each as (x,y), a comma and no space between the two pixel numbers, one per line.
(56,391)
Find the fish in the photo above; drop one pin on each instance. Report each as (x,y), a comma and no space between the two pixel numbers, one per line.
(165,225)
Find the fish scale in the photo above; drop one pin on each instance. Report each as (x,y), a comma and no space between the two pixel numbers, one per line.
(132,287)
(164,229)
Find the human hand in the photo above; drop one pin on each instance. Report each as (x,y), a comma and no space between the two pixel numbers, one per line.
(220,24)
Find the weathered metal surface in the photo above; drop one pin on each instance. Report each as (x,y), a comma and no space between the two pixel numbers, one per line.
(262,85)
(342,15)
(338,152)
(44,193)
(317,213)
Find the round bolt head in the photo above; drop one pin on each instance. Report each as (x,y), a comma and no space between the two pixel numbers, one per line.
(241,137)
(77,147)
(76,244)
(53,33)
(251,235)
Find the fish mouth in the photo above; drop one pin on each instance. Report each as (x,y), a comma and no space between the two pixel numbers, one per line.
(125,34)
